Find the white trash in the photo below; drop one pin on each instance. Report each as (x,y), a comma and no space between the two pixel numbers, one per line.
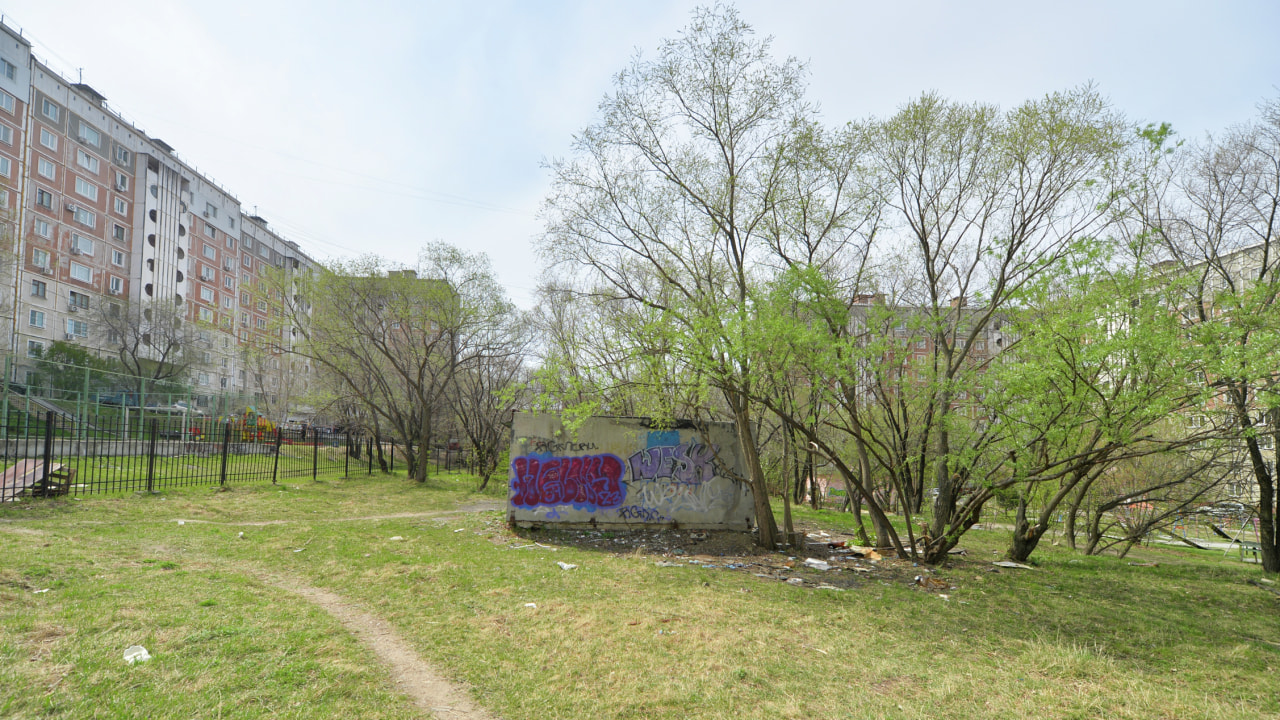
(136,653)
(566,566)
(817,564)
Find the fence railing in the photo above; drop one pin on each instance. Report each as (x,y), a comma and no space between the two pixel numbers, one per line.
(62,455)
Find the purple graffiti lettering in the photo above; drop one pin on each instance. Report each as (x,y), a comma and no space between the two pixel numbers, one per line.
(587,482)
(691,463)
(641,513)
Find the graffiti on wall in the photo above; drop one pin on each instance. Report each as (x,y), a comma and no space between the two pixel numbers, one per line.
(690,463)
(586,482)
(620,471)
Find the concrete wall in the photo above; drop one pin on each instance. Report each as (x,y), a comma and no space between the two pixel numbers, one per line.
(619,472)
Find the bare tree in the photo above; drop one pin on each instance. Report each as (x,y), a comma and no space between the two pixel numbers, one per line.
(393,341)
(1215,206)
(152,340)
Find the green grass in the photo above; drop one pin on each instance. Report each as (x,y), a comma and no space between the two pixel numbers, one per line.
(618,637)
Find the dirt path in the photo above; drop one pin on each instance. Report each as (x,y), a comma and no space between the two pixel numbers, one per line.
(413,675)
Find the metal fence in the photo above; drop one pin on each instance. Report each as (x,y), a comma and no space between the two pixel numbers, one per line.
(50,453)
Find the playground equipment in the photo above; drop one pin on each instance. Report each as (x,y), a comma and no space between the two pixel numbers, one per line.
(250,425)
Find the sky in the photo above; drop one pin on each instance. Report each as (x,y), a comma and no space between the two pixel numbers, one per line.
(376,127)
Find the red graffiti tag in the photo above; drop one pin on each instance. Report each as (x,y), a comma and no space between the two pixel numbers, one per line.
(587,482)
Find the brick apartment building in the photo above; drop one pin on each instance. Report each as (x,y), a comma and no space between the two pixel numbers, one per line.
(97,213)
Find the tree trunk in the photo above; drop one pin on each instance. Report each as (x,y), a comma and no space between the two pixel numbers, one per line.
(854,498)
(1025,535)
(382,460)
(424,459)
(768,527)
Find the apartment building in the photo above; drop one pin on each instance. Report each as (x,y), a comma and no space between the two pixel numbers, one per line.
(99,215)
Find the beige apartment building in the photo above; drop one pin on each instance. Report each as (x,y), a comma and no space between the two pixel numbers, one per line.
(99,215)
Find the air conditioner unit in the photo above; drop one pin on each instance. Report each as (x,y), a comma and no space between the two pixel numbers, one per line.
(206,213)
(72,308)
(46,270)
(70,208)
(120,186)
(75,251)
(68,336)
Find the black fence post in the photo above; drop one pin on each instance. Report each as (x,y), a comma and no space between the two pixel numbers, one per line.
(226,444)
(151,457)
(275,464)
(48,450)
(392,463)
(371,438)
(346,459)
(315,452)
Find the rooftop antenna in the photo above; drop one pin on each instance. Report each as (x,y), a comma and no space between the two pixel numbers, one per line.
(80,73)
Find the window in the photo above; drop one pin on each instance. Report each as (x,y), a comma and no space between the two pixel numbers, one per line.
(40,258)
(7,102)
(210,211)
(84,217)
(262,324)
(229,282)
(204,378)
(117,285)
(122,207)
(117,232)
(77,328)
(81,245)
(35,319)
(4,199)
(81,272)
(206,315)
(84,188)
(248,262)
(44,229)
(210,230)
(6,134)
(262,305)
(87,161)
(8,69)
(122,155)
(244,299)
(90,135)
(231,243)
(227,302)
(244,319)
(48,139)
(122,182)
(44,199)
(34,348)
(206,272)
(78,300)
(45,167)
(206,294)
(38,288)
(49,109)
(210,251)
(117,257)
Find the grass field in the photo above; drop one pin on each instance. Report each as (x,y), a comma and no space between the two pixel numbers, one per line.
(618,637)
